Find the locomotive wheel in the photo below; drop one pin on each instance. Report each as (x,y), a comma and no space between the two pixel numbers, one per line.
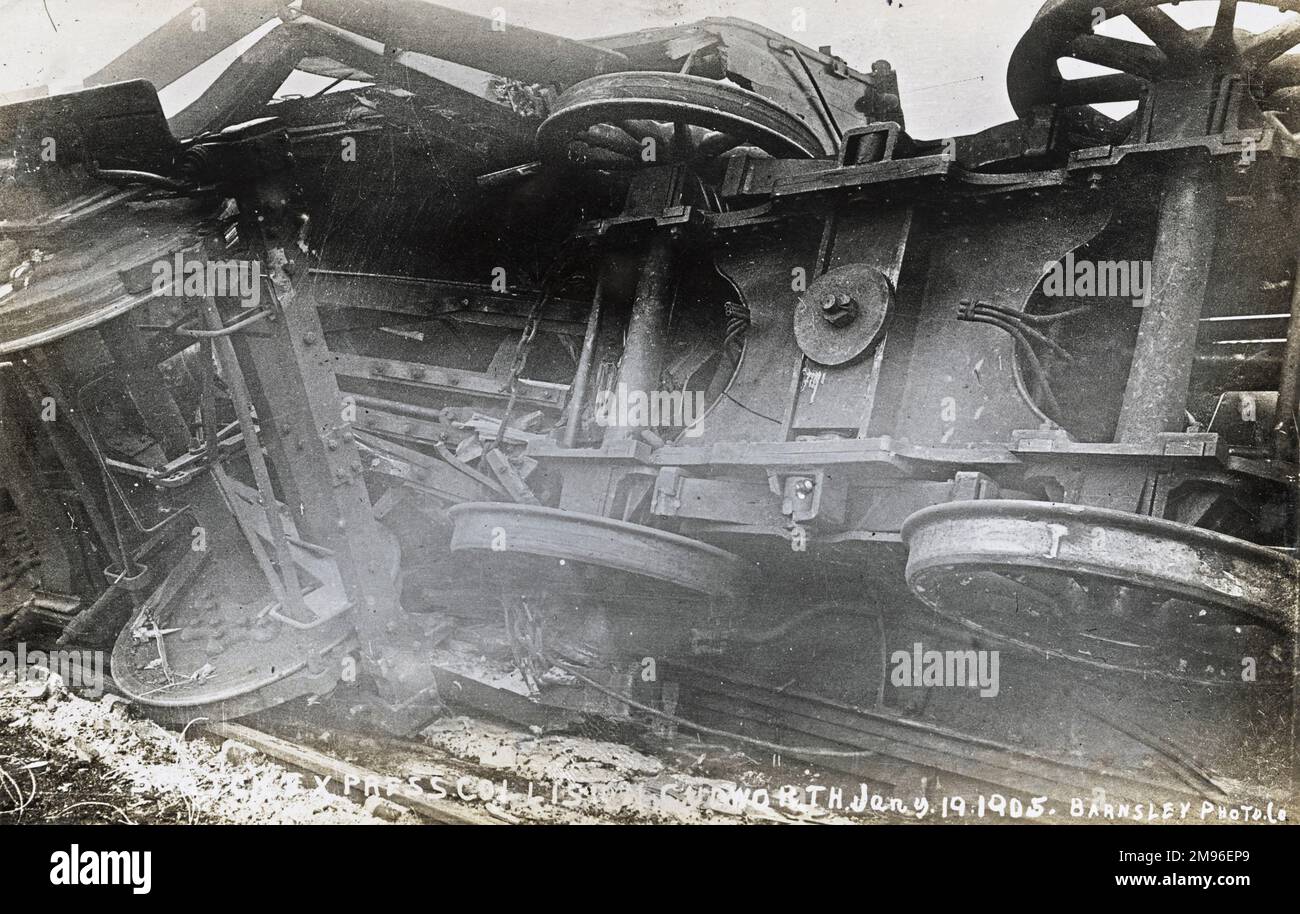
(603,122)
(563,551)
(1064,28)
(1113,590)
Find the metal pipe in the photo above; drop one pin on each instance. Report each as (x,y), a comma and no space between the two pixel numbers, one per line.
(252,444)
(647,328)
(1155,400)
(582,376)
(208,406)
(227,329)
(1003,316)
(77,211)
(396,407)
(492,45)
(1052,405)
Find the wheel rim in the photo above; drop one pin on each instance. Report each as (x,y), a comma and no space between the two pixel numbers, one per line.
(1065,28)
(560,550)
(1112,590)
(604,122)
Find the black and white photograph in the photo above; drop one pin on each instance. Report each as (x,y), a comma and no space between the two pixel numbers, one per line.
(650,413)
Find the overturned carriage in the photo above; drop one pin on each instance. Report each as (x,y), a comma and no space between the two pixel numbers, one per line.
(666,376)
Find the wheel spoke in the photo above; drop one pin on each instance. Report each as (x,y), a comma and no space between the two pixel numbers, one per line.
(714,143)
(1167,34)
(1124,126)
(640,129)
(1118,54)
(607,136)
(1269,45)
(1095,90)
(581,153)
(1220,42)
(1282,73)
(683,142)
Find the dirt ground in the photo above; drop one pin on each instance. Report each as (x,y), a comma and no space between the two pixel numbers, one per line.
(71,759)
(67,759)
(43,785)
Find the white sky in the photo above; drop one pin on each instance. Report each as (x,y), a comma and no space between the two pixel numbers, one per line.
(951,55)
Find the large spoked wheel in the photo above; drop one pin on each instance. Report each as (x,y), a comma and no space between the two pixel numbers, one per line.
(629,120)
(1065,28)
(1107,589)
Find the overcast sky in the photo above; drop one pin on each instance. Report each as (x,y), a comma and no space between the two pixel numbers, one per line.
(951,55)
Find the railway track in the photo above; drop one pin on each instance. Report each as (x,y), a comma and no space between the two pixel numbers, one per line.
(831,743)
(309,760)
(909,755)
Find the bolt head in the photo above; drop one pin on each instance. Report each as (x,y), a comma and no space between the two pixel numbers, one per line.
(840,309)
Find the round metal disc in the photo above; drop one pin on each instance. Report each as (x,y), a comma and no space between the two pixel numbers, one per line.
(225,653)
(872,297)
(568,543)
(1118,591)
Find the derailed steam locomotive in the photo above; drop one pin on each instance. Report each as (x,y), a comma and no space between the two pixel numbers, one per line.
(556,378)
